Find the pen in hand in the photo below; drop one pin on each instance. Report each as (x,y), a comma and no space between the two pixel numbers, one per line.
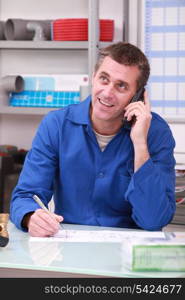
(41,204)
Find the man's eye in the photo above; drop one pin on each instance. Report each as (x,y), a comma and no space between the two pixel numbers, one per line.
(103,79)
(121,86)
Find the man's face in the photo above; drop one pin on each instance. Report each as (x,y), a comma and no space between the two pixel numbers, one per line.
(113,85)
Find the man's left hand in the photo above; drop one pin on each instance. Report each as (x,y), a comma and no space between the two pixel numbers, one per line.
(142,118)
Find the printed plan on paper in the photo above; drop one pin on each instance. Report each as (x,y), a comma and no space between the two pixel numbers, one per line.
(68,235)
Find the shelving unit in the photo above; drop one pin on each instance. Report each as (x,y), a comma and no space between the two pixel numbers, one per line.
(25,110)
(48,57)
(91,46)
(39,45)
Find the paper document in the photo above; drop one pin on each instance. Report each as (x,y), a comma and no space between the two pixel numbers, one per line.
(68,235)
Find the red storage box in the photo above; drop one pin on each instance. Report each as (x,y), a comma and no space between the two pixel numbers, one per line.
(77,30)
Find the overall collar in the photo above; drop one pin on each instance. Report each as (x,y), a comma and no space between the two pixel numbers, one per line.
(79,113)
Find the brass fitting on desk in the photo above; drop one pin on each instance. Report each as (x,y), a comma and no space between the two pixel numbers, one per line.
(4,237)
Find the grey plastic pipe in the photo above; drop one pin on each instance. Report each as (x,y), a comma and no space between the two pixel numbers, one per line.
(10,84)
(2,26)
(38,31)
(16,29)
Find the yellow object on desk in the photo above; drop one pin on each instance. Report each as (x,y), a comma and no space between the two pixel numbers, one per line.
(4,237)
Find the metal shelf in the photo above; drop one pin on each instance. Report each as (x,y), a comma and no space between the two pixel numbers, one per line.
(44,45)
(51,45)
(25,110)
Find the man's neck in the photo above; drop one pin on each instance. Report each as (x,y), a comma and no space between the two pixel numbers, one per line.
(106,128)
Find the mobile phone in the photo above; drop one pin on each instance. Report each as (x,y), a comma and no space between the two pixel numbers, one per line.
(139,96)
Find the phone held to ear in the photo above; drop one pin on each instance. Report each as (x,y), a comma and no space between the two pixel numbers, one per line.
(139,96)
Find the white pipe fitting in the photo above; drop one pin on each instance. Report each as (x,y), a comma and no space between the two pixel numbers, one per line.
(38,30)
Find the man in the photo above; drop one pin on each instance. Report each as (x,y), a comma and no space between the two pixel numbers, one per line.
(100,171)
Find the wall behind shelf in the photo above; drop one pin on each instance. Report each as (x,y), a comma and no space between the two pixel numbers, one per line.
(47,9)
(43,61)
(43,9)
(20,129)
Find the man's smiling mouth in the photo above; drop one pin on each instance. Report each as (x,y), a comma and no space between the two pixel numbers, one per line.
(105,103)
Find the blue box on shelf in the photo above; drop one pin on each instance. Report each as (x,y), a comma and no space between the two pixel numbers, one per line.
(44,98)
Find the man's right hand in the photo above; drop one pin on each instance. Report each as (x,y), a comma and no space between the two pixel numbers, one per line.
(42,224)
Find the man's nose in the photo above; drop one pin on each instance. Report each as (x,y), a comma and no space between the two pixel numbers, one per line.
(109,90)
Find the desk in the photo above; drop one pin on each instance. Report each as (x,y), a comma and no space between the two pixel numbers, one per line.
(23,258)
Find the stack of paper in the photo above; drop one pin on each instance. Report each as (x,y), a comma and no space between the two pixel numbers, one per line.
(155,254)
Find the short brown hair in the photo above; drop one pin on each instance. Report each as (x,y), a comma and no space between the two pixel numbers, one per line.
(129,55)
